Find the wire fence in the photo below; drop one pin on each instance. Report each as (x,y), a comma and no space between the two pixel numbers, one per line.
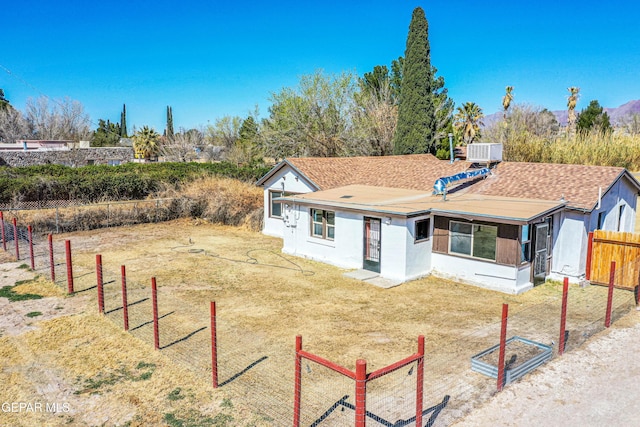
(261,373)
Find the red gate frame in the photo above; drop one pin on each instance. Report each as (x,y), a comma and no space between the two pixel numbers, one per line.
(361,378)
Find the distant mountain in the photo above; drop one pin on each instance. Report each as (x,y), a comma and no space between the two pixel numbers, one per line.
(615,114)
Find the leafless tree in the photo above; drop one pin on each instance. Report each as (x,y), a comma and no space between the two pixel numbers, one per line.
(375,121)
(184,147)
(13,126)
(58,120)
(631,123)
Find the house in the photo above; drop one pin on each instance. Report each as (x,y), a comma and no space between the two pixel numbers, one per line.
(506,227)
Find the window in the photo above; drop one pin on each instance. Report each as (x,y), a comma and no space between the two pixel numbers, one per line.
(525,243)
(275,210)
(474,240)
(323,224)
(601,218)
(422,229)
(113,162)
(621,218)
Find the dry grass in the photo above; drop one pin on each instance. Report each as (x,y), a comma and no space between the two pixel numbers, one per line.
(591,148)
(265,299)
(104,376)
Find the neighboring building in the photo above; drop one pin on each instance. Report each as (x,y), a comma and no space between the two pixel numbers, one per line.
(69,153)
(516,226)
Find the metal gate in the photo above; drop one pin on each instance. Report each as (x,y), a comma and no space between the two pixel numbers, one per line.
(371,255)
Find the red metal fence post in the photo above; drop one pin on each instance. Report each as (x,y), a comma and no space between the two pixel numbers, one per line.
(15,238)
(100,283)
(503,341)
(154,299)
(420,381)
(589,254)
(67,249)
(125,306)
(361,393)
(53,266)
(33,261)
(612,278)
(563,316)
(297,387)
(4,240)
(214,346)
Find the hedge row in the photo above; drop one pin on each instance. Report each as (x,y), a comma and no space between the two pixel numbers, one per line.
(100,182)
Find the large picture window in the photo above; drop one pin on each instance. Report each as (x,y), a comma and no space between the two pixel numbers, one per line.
(474,240)
(323,224)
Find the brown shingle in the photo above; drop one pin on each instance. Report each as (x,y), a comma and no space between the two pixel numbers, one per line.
(415,171)
(578,184)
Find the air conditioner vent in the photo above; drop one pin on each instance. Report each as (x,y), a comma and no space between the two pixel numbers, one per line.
(484,153)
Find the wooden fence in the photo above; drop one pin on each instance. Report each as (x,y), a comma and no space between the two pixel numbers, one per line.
(623,248)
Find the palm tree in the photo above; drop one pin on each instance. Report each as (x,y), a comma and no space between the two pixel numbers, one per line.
(468,120)
(506,100)
(146,143)
(572,101)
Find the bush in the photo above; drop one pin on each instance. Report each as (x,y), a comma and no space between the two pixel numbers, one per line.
(90,184)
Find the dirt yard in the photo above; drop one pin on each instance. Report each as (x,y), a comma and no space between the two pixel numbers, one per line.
(263,299)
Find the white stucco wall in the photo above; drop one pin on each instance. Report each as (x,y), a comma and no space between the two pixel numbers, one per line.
(571,241)
(400,258)
(286,179)
(503,278)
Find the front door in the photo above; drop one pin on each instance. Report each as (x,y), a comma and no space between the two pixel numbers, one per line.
(371,253)
(541,249)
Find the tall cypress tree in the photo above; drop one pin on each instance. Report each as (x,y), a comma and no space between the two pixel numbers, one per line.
(416,128)
(123,122)
(169,123)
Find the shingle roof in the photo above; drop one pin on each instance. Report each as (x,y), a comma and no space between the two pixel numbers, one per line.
(414,171)
(577,184)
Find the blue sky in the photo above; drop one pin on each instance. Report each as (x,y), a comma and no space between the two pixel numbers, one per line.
(207,59)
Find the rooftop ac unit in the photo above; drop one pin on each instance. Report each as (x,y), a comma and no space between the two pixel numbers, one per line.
(484,153)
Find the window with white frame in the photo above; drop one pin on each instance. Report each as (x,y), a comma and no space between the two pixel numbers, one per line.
(473,240)
(525,243)
(323,224)
(275,208)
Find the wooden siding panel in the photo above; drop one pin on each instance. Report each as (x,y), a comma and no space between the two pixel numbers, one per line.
(441,234)
(508,245)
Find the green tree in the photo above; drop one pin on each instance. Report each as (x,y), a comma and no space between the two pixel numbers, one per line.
(416,128)
(169,131)
(246,149)
(106,135)
(146,143)
(123,122)
(396,77)
(313,119)
(373,82)
(4,102)
(468,120)
(594,117)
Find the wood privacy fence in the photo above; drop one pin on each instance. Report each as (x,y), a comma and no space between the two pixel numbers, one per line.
(608,246)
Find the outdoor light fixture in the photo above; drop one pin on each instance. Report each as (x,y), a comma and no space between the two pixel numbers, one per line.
(387,220)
